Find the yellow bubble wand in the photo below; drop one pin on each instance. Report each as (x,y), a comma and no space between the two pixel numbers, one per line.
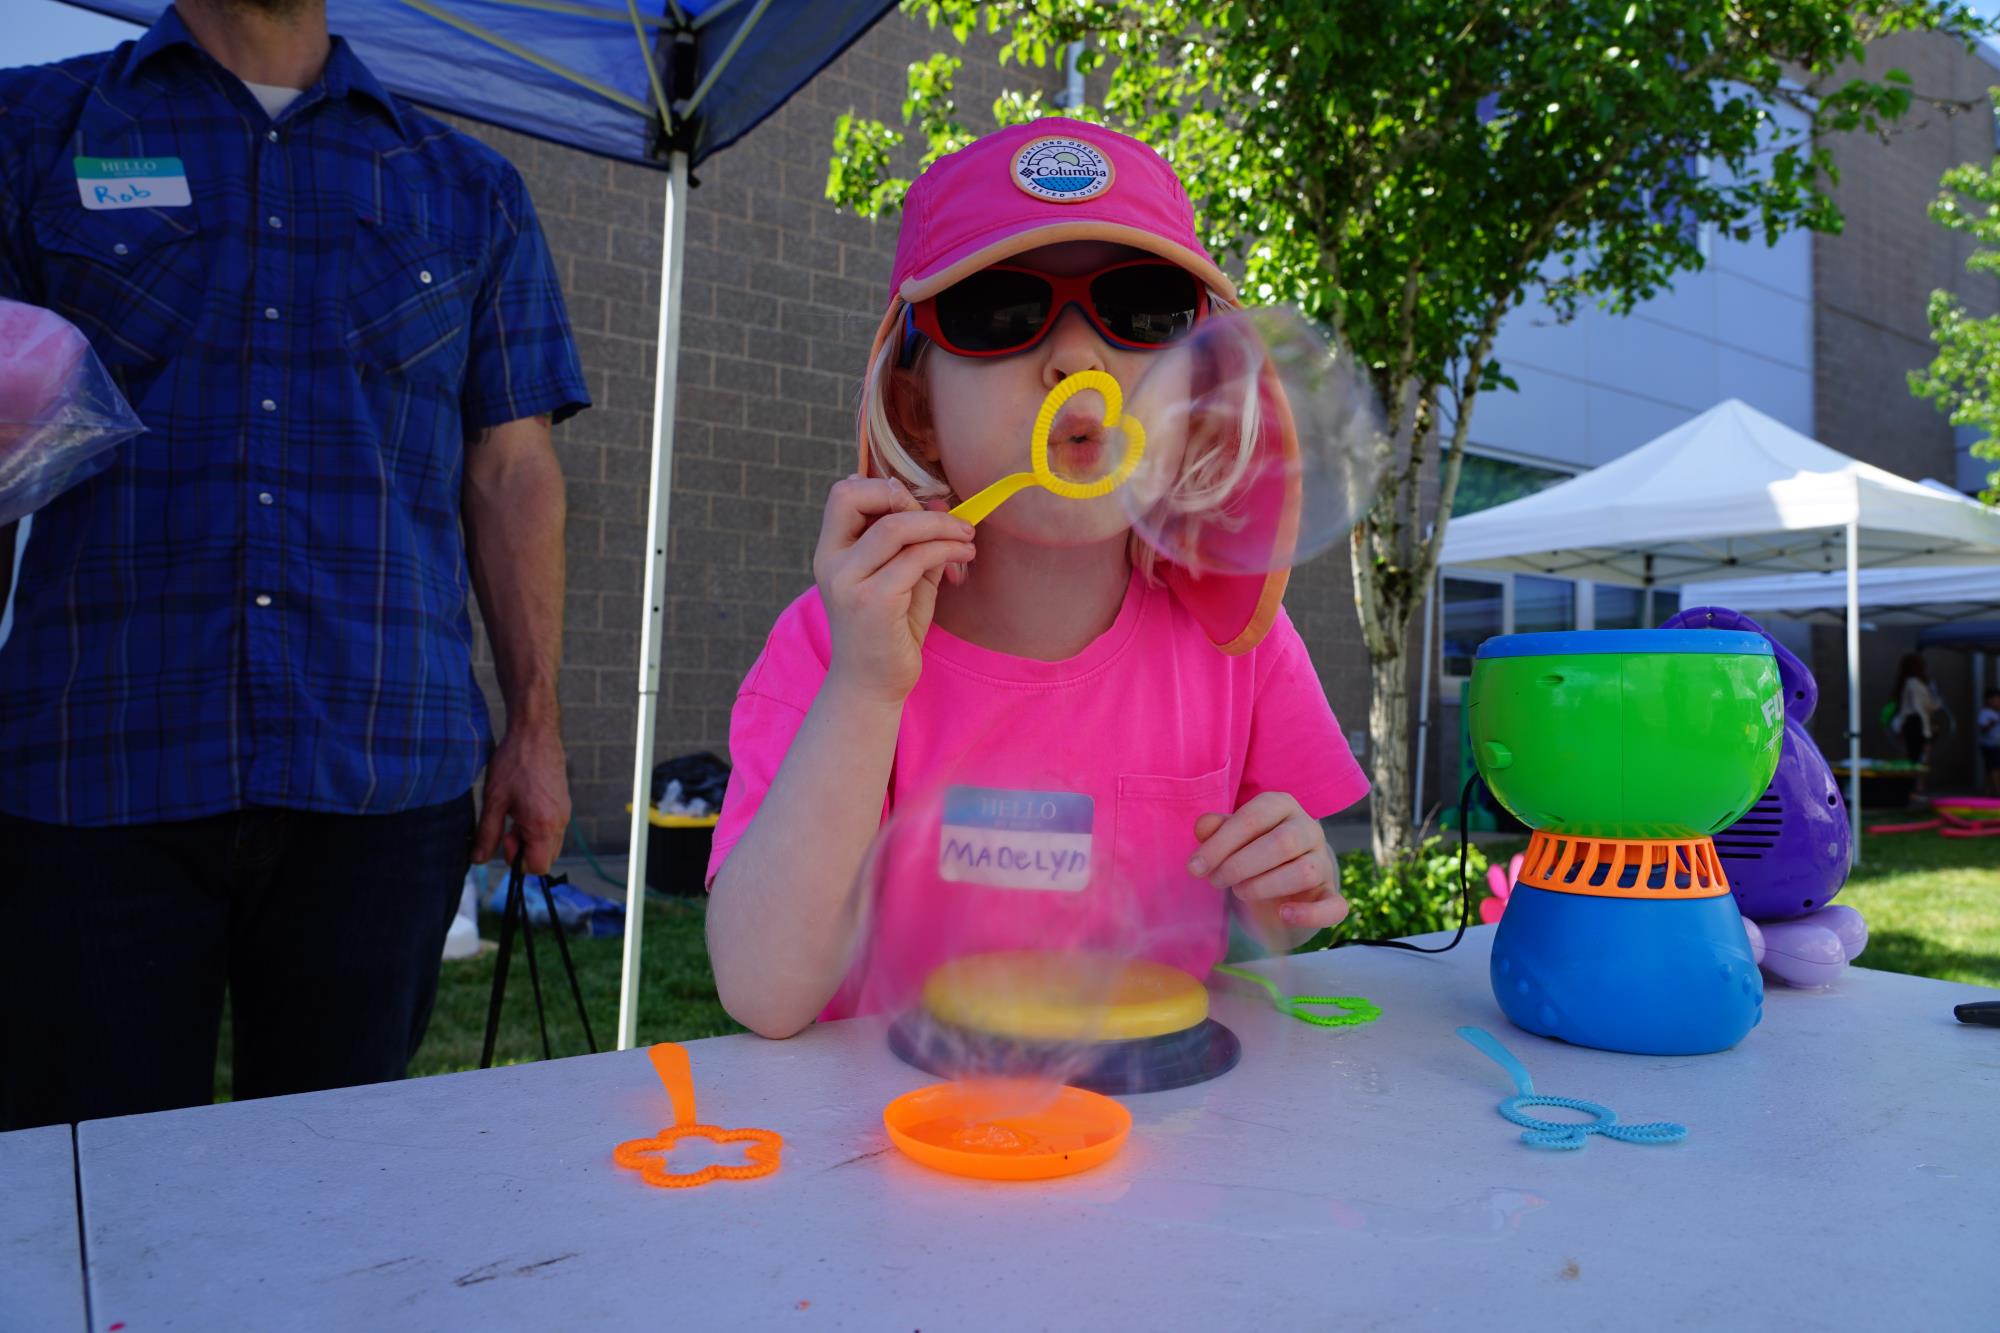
(1040,473)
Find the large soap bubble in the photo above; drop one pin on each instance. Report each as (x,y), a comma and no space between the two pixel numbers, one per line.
(1022,945)
(1250,446)
(1007,939)
(1264,445)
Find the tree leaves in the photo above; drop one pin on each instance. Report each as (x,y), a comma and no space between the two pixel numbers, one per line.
(1964,378)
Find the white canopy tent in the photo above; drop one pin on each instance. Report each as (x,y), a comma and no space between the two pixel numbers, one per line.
(1930,595)
(1732,494)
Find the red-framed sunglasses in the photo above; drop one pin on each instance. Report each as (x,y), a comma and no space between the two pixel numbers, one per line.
(1137,304)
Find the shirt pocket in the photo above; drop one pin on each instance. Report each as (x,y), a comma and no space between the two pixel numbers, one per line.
(1183,921)
(1154,835)
(409,303)
(133,280)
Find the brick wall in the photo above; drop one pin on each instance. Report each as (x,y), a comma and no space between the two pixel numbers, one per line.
(1872,283)
(1873,280)
(782,297)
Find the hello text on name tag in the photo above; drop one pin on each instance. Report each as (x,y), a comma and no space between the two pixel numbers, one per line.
(132,182)
(1016,839)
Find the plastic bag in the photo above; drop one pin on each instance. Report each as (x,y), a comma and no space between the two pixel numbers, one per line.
(60,414)
(690,785)
(578,912)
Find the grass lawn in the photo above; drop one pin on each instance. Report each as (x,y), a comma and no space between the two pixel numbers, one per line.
(677,1001)
(1932,903)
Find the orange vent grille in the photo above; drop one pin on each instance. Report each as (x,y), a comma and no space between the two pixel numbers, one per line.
(1658,868)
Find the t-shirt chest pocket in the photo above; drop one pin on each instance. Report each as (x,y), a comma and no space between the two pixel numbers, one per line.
(134,280)
(409,302)
(1156,816)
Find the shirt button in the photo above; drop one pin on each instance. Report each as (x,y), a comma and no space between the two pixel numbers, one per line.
(270,405)
(263,599)
(121,249)
(270,312)
(277,223)
(424,277)
(263,497)
(272,135)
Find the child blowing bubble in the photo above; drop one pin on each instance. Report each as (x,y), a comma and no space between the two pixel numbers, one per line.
(1185,703)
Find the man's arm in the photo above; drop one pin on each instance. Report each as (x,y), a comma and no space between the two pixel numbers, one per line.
(513,512)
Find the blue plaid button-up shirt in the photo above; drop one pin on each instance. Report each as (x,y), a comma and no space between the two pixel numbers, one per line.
(264,601)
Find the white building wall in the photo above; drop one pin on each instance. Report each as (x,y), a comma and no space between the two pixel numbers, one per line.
(1602,384)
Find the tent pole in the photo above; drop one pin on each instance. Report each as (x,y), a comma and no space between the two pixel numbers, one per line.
(1854,687)
(1978,702)
(1423,710)
(666,371)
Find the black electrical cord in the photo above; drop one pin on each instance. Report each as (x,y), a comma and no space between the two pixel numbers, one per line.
(1464,886)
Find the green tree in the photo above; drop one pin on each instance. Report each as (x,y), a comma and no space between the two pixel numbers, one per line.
(1407,170)
(1964,378)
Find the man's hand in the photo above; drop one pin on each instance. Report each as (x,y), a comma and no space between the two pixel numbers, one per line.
(527,799)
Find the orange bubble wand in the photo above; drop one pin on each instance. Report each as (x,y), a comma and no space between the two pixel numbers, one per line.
(649,1156)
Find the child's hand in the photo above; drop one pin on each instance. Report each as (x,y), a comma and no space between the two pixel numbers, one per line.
(879,560)
(1274,857)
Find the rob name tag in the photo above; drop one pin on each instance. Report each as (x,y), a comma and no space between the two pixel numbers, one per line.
(132,182)
(1016,839)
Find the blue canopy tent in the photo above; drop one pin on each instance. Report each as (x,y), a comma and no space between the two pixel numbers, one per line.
(1976,636)
(662,89)
(1979,638)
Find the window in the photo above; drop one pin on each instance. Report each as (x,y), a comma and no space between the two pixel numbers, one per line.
(1619,608)
(1625,608)
(1474,611)
(1485,482)
(1476,606)
(1543,605)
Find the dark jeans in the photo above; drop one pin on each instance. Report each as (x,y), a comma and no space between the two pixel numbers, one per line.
(118,943)
(1914,740)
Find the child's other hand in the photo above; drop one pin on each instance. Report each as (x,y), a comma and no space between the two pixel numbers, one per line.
(1274,857)
(880,557)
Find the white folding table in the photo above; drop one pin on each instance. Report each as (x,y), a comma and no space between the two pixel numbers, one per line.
(41,1261)
(1842,1169)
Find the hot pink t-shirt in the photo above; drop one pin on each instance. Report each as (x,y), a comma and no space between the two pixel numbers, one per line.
(1133,738)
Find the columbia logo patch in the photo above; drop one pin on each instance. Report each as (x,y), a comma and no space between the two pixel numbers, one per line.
(1062,170)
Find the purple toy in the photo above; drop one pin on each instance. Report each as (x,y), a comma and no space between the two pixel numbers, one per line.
(1788,855)
(1812,951)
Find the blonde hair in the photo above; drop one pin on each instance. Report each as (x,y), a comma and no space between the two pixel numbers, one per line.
(1212,468)
(888,456)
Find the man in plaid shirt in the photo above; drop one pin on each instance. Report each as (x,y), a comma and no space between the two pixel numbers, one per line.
(239,727)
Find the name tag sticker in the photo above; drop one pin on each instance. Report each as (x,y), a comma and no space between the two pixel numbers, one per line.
(132,182)
(1016,839)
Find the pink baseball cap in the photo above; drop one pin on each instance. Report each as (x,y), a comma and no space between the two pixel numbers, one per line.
(1037,184)
(1043,183)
